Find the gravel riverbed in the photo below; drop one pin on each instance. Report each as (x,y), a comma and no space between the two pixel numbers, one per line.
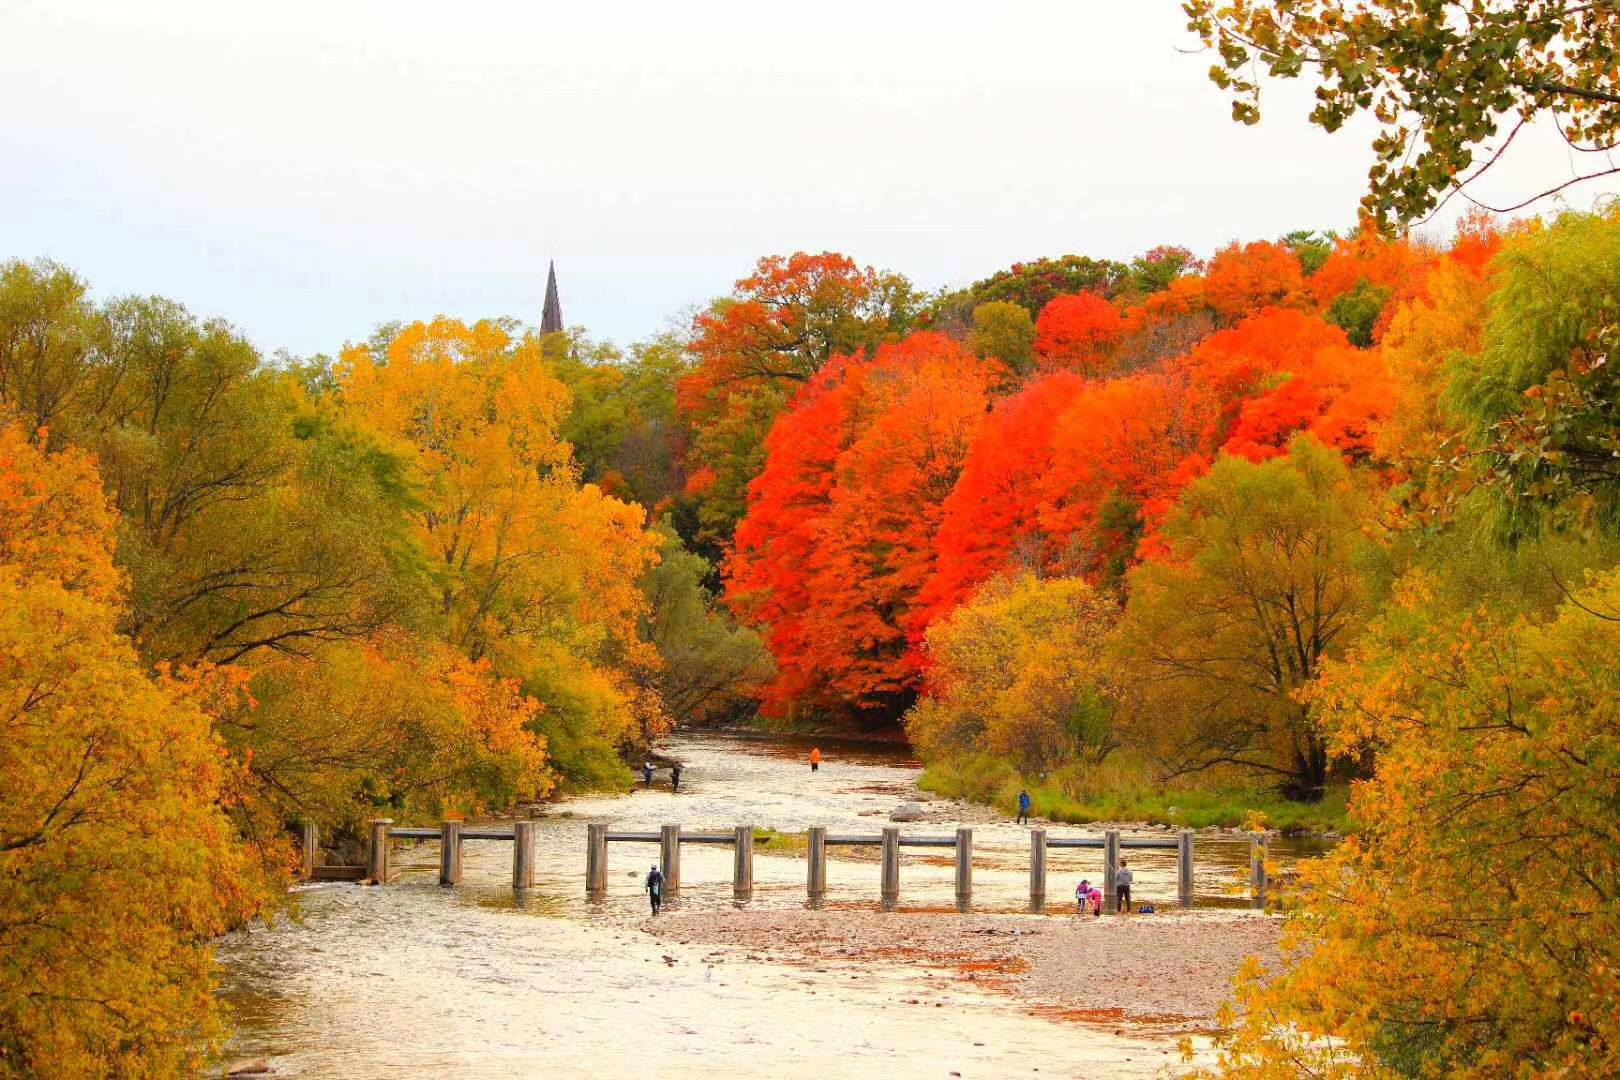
(1167,971)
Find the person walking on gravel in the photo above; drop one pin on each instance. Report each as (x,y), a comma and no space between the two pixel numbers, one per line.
(1023,808)
(655,888)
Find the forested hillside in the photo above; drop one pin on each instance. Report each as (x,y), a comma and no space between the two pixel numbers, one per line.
(1175,538)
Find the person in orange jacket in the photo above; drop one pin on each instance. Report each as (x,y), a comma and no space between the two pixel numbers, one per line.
(815,758)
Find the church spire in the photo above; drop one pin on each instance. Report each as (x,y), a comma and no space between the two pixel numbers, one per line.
(551,320)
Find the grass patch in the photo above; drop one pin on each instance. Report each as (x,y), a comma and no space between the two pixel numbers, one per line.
(1124,791)
(771,842)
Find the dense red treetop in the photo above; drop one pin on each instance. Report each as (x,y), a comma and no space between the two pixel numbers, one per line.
(1077,333)
(899,479)
(838,538)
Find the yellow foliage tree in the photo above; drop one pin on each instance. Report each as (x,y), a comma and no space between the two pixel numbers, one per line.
(1015,673)
(530,570)
(395,721)
(1472,926)
(117,866)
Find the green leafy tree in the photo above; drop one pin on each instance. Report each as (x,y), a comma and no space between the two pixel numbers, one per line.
(1004,331)
(712,668)
(1312,247)
(622,425)
(1357,311)
(1155,270)
(1031,286)
(1538,399)
(1269,572)
(48,333)
(1449,82)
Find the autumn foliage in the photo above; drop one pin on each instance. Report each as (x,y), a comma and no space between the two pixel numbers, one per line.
(750,353)
(1323,514)
(837,544)
(118,864)
(239,595)
(1077,332)
(1070,473)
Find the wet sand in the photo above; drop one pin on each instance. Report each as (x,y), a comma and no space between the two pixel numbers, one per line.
(1168,972)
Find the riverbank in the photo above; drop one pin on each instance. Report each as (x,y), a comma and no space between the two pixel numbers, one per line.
(472,982)
(993,783)
(1166,972)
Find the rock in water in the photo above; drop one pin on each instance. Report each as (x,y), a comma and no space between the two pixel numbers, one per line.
(260,1067)
(908,811)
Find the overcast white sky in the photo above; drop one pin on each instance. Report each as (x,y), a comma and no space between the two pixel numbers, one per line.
(308,170)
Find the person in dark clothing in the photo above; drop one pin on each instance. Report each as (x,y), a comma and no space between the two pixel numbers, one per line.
(655,888)
(647,773)
(1023,808)
(675,777)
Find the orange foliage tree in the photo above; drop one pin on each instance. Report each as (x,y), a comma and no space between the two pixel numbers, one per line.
(752,351)
(1077,332)
(1120,453)
(1243,279)
(837,543)
(1286,371)
(992,510)
(1069,476)
(117,865)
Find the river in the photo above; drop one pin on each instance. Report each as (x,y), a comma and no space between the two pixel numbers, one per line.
(413,979)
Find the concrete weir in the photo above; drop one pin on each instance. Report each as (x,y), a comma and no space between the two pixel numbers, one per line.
(670,838)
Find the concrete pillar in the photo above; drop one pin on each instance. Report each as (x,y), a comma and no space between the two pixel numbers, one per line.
(890,893)
(377,850)
(596,861)
(742,875)
(450,853)
(1184,868)
(1257,869)
(312,844)
(523,855)
(1110,868)
(1037,871)
(669,857)
(964,869)
(818,865)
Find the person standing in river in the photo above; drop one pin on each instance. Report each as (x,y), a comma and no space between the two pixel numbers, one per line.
(655,888)
(815,759)
(675,777)
(1023,808)
(647,773)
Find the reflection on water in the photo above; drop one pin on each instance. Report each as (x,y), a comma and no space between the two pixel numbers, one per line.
(414,978)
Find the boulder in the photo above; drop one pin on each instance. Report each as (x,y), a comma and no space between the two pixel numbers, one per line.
(907,811)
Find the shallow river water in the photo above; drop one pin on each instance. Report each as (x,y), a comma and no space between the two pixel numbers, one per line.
(413,979)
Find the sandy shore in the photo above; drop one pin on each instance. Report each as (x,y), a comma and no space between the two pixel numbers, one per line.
(1167,971)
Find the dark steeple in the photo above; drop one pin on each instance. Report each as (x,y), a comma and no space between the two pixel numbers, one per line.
(551,321)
